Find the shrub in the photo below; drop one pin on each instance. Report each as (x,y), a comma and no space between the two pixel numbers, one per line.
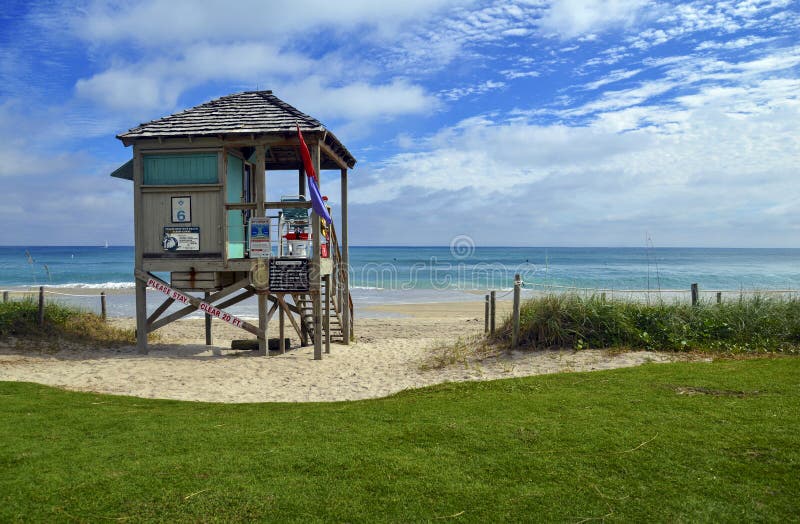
(19,319)
(750,324)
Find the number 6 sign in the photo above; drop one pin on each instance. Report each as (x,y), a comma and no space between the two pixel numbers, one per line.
(181,209)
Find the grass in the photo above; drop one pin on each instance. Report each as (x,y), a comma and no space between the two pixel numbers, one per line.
(754,324)
(464,350)
(668,442)
(19,320)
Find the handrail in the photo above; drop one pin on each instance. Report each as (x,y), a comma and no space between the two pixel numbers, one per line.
(337,257)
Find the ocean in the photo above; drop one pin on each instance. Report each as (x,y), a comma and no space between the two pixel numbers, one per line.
(437,274)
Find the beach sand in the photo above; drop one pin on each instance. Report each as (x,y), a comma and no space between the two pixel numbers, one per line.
(386,358)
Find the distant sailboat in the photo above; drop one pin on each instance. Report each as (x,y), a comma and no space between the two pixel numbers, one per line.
(106,244)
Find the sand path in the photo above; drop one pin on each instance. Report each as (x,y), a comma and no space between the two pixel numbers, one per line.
(385,359)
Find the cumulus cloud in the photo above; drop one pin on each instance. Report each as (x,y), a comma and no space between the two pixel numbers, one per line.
(156,84)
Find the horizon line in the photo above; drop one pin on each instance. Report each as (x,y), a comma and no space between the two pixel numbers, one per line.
(493,246)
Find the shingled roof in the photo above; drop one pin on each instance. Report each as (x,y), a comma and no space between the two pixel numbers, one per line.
(250,112)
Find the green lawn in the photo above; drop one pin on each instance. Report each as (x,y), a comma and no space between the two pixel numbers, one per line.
(666,442)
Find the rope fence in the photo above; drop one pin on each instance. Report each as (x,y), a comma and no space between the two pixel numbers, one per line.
(658,290)
(42,292)
(694,291)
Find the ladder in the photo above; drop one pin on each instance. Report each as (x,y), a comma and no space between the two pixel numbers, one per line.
(340,298)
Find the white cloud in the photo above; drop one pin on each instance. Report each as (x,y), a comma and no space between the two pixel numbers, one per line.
(613,76)
(739,43)
(358,100)
(572,18)
(478,89)
(158,83)
(153,23)
(719,160)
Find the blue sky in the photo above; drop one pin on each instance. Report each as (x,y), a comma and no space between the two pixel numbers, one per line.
(544,123)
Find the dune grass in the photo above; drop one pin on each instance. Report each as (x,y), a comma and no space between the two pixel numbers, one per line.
(752,324)
(62,322)
(663,442)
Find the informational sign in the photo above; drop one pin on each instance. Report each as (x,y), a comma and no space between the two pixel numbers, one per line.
(181,238)
(181,209)
(288,275)
(199,304)
(259,237)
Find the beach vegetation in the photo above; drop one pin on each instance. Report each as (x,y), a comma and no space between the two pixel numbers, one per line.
(751,324)
(62,322)
(682,442)
(466,350)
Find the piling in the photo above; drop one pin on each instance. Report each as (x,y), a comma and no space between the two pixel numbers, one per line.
(695,295)
(103,312)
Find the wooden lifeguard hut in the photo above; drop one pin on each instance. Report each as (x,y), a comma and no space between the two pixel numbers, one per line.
(201,214)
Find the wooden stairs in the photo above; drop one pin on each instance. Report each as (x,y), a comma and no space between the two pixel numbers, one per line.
(340,298)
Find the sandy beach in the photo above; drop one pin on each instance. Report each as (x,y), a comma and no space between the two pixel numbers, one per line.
(386,357)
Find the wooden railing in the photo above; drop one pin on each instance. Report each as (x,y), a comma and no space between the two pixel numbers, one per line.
(339,275)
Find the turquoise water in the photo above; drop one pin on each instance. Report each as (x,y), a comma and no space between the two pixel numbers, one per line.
(439,268)
(440,274)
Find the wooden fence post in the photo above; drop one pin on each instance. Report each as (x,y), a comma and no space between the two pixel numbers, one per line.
(486,315)
(517,291)
(695,294)
(103,305)
(207,322)
(5,296)
(719,297)
(41,306)
(492,311)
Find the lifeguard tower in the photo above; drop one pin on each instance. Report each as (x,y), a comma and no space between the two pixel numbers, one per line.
(201,214)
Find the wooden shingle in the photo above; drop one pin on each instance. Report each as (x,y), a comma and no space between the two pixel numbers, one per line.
(250,112)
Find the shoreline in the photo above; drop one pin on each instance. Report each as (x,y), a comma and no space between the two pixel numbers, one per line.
(387,357)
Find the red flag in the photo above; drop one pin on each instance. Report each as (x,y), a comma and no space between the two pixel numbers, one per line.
(309,167)
(313,186)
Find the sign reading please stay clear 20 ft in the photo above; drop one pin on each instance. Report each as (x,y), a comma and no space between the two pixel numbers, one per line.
(199,304)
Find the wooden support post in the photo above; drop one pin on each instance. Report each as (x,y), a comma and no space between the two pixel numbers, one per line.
(344,304)
(208,321)
(327,314)
(515,325)
(301,182)
(719,297)
(304,333)
(695,294)
(141,317)
(41,306)
(138,232)
(603,296)
(262,324)
(486,315)
(259,171)
(316,295)
(281,325)
(492,311)
(103,312)
(5,296)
